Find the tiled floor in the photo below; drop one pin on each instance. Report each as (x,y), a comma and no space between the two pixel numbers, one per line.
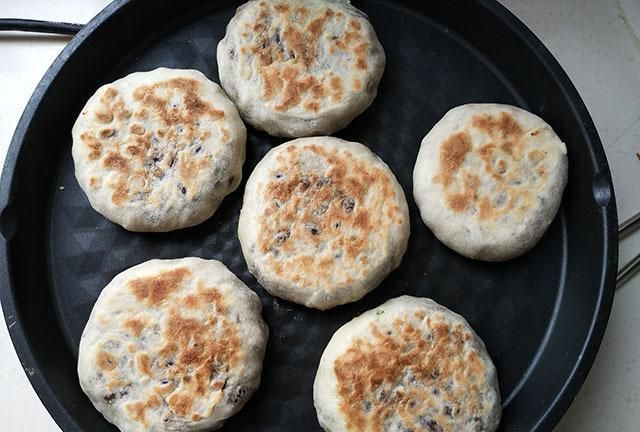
(597,43)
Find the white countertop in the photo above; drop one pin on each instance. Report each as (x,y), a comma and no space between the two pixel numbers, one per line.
(596,41)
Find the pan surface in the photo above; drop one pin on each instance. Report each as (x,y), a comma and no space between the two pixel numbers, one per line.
(541,316)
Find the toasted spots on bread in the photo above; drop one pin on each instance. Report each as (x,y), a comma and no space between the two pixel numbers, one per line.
(137,149)
(337,89)
(312,106)
(460,201)
(154,290)
(492,179)
(104,116)
(120,193)
(135,326)
(143,364)
(151,97)
(194,355)
(224,133)
(291,48)
(273,82)
(489,180)
(106,361)
(106,133)
(204,297)
(295,89)
(94,145)
(137,128)
(109,94)
(184,344)
(422,373)
(505,126)
(360,51)
(115,161)
(137,409)
(343,212)
(452,155)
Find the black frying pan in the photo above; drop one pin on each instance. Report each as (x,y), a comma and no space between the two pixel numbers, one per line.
(542,315)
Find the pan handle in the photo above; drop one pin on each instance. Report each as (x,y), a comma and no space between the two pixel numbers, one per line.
(633,266)
(37,26)
(628,271)
(629,226)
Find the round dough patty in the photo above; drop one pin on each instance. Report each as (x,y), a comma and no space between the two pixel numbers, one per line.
(300,67)
(159,150)
(323,221)
(409,364)
(172,345)
(489,180)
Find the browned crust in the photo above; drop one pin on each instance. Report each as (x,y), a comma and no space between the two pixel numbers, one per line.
(135,326)
(333,208)
(502,158)
(106,361)
(452,155)
(153,290)
(286,55)
(94,145)
(194,353)
(143,363)
(137,409)
(125,147)
(201,345)
(433,353)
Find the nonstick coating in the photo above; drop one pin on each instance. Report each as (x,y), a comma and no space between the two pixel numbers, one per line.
(541,315)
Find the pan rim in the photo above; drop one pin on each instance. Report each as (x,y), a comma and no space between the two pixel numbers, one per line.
(574,381)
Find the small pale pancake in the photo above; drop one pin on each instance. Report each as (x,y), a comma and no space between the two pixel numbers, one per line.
(409,364)
(323,221)
(159,150)
(300,67)
(489,180)
(172,345)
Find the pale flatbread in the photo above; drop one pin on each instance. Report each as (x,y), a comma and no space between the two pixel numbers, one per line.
(489,180)
(407,365)
(172,345)
(159,150)
(300,67)
(323,221)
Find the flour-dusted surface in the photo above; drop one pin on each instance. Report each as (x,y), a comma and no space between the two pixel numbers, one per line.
(173,345)
(489,180)
(300,67)
(159,150)
(409,364)
(323,221)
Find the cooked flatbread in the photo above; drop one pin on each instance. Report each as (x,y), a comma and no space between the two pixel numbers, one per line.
(159,150)
(489,180)
(300,67)
(407,365)
(323,221)
(172,345)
